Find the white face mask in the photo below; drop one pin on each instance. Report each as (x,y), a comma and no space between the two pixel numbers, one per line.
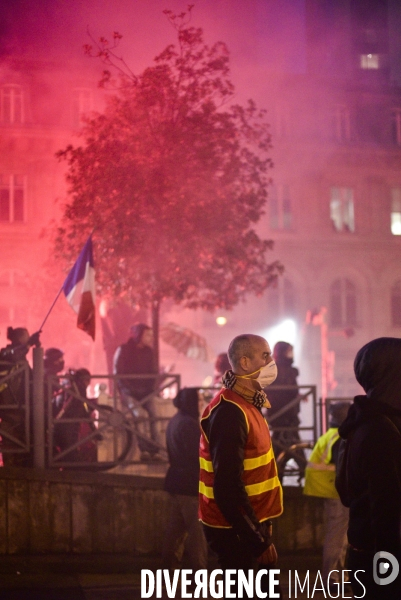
(267,374)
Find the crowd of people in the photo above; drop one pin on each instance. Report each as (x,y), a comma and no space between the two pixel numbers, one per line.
(67,393)
(222,478)
(73,433)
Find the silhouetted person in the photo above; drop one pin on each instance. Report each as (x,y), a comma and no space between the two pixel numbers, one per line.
(371,471)
(221,365)
(182,483)
(136,357)
(14,392)
(73,405)
(284,400)
(53,361)
(53,364)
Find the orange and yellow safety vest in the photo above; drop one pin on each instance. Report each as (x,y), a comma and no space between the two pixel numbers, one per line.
(259,476)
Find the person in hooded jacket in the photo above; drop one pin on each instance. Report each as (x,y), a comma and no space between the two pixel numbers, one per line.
(371,470)
(184,530)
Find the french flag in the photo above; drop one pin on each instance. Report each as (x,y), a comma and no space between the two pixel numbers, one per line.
(79,289)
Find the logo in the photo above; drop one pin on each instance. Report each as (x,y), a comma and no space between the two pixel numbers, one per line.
(385,568)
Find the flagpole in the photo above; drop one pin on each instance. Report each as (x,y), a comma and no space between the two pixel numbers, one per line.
(51,308)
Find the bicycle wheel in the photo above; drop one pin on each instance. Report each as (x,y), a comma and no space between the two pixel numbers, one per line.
(117,436)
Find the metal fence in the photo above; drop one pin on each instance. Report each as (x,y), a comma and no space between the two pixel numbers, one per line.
(110,429)
(15,413)
(34,431)
(101,435)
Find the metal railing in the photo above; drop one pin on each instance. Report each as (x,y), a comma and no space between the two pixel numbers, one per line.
(303,393)
(15,413)
(107,434)
(97,436)
(102,435)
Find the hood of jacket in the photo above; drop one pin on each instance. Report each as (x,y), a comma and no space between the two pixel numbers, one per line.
(187,402)
(377,369)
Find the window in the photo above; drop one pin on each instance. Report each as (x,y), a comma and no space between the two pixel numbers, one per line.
(13,278)
(396,304)
(342,209)
(343,303)
(396,211)
(369,61)
(281,300)
(281,216)
(11,104)
(396,126)
(13,289)
(82,105)
(12,199)
(13,315)
(341,124)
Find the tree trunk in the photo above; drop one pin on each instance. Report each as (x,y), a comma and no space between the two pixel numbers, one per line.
(155,327)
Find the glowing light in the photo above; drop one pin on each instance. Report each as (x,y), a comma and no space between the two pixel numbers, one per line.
(286,331)
(221,321)
(396,223)
(369,61)
(103,309)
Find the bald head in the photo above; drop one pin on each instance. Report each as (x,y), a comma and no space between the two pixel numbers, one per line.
(248,346)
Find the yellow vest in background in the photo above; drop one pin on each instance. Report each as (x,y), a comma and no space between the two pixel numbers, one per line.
(320,474)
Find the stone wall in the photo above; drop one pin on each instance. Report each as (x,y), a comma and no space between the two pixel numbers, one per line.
(54,512)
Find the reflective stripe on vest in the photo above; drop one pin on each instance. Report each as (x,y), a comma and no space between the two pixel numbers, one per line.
(259,476)
(249,463)
(251,490)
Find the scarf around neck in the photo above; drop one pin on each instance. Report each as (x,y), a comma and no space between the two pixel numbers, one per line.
(245,388)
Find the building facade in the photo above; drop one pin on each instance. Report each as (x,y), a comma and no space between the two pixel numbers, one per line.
(41,109)
(334,207)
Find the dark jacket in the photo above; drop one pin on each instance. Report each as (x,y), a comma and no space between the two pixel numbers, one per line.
(182,438)
(286,375)
(131,359)
(373,429)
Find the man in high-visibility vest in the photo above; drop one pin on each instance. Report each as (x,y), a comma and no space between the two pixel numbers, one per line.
(319,481)
(239,490)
